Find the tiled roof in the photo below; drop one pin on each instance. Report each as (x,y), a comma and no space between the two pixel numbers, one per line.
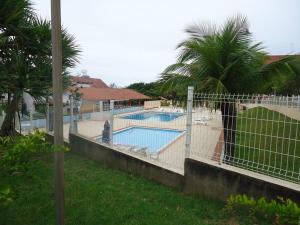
(98,94)
(274,58)
(93,82)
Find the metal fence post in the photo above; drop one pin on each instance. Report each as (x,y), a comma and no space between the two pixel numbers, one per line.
(189,117)
(31,120)
(71,129)
(17,122)
(47,117)
(76,106)
(1,117)
(111,141)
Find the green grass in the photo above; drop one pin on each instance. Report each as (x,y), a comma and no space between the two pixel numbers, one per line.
(98,195)
(268,142)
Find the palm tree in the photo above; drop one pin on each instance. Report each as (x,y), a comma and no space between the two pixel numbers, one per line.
(25,57)
(223,60)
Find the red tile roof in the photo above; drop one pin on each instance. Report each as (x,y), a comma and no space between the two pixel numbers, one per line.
(93,82)
(274,58)
(98,94)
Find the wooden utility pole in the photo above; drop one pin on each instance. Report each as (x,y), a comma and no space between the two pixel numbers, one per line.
(58,108)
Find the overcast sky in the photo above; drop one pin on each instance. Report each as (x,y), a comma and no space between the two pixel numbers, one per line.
(126,41)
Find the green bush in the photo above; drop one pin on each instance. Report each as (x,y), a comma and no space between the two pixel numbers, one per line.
(261,211)
(5,195)
(18,153)
(165,103)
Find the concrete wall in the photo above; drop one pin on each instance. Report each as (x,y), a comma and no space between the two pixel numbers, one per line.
(288,111)
(203,178)
(107,115)
(121,161)
(151,104)
(210,180)
(291,112)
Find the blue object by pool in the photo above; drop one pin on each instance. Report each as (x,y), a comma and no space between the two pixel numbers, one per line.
(151,138)
(153,116)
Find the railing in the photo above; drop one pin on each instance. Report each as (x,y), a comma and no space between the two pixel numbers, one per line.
(257,133)
(250,132)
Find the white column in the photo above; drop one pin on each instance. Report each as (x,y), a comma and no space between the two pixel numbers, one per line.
(189,118)
(111,122)
(100,106)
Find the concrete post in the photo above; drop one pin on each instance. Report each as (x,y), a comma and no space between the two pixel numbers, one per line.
(189,118)
(111,122)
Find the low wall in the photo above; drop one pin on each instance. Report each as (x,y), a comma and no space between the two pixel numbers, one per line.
(151,104)
(285,110)
(107,115)
(118,160)
(50,138)
(210,180)
(203,178)
(291,112)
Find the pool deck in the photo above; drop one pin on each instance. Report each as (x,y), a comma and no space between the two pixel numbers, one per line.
(173,154)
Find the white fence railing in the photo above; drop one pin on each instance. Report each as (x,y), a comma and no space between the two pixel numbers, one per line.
(259,133)
(255,132)
(252,132)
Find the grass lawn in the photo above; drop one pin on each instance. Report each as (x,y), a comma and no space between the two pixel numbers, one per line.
(269,142)
(98,195)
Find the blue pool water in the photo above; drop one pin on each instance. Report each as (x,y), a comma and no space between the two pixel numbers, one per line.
(152,138)
(154,116)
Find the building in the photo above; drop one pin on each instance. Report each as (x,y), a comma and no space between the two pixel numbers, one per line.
(95,94)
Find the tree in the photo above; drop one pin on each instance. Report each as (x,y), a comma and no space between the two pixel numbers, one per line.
(25,56)
(287,84)
(151,89)
(223,60)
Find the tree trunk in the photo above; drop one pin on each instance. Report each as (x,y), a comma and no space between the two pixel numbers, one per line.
(229,117)
(7,128)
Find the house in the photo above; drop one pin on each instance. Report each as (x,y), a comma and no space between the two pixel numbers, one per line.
(274,58)
(96,95)
(86,81)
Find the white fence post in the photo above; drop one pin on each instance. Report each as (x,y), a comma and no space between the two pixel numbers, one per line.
(17,122)
(31,120)
(71,129)
(189,118)
(1,117)
(47,117)
(77,105)
(111,141)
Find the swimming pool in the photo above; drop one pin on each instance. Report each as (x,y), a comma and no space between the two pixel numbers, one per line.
(153,116)
(154,139)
